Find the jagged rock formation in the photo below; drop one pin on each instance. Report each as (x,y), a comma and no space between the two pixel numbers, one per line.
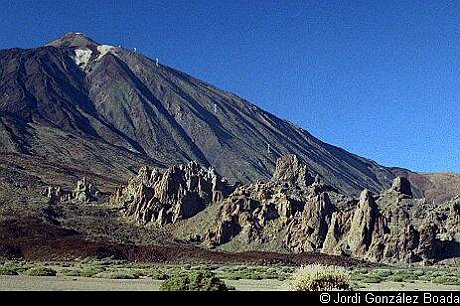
(366,225)
(84,192)
(402,186)
(300,204)
(295,212)
(178,193)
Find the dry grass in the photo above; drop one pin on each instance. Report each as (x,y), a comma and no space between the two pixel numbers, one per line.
(317,277)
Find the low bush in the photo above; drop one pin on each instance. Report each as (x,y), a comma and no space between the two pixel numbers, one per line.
(90,271)
(371,279)
(41,271)
(157,274)
(447,280)
(418,273)
(193,281)
(320,278)
(230,276)
(70,272)
(382,273)
(360,271)
(403,276)
(399,278)
(288,270)
(8,270)
(117,275)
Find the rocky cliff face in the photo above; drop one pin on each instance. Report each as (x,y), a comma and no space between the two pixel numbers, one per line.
(297,213)
(167,197)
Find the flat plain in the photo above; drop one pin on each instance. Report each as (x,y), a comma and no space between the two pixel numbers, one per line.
(122,276)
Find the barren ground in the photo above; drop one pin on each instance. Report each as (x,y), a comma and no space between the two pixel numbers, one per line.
(66,283)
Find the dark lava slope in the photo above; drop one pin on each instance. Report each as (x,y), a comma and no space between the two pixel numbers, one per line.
(107,110)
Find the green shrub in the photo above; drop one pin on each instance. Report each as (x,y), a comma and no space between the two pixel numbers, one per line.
(320,278)
(418,273)
(256,276)
(288,270)
(359,271)
(230,276)
(70,272)
(41,271)
(187,266)
(398,278)
(117,275)
(157,274)
(87,271)
(90,271)
(382,273)
(8,270)
(436,273)
(371,279)
(283,277)
(447,280)
(193,281)
(401,276)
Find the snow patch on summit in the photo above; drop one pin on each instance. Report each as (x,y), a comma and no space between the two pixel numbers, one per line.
(103,50)
(82,57)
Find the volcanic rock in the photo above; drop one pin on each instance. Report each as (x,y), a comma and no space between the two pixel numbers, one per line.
(84,192)
(402,185)
(299,204)
(363,224)
(296,213)
(178,193)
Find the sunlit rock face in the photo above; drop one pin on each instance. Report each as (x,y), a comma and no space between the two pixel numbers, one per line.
(296,213)
(177,193)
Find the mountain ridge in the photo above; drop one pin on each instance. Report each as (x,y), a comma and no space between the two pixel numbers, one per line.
(122,100)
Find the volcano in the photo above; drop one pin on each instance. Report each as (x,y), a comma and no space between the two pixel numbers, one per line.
(75,106)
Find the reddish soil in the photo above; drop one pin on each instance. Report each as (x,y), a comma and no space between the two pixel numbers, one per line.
(33,240)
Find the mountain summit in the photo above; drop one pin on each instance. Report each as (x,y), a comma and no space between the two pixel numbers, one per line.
(105,111)
(70,40)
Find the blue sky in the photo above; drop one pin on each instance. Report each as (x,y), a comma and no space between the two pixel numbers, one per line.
(378,78)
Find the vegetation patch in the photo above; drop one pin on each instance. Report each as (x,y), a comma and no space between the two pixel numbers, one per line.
(193,281)
(8,270)
(255,272)
(447,280)
(320,278)
(117,275)
(382,272)
(41,271)
(158,274)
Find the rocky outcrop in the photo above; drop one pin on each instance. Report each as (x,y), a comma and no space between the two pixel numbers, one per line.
(84,192)
(293,212)
(289,170)
(297,213)
(166,197)
(402,186)
(298,204)
(367,225)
